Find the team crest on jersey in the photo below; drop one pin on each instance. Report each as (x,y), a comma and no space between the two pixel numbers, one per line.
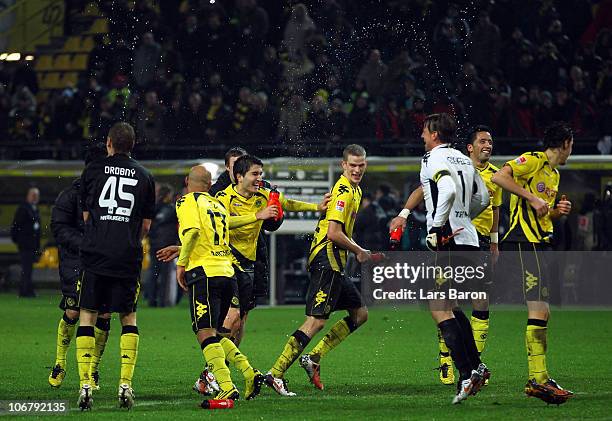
(235,301)
(541,187)
(520,160)
(343,189)
(340,205)
(258,202)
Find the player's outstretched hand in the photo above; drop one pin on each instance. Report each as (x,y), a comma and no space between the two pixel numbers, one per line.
(363,256)
(180,277)
(268,212)
(539,205)
(323,205)
(397,222)
(168,254)
(564,206)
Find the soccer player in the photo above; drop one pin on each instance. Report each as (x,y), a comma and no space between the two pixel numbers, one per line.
(260,266)
(533,180)
(118,199)
(479,147)
(329,290)
(205,270)
(248,196)
(451,188)
(67,226)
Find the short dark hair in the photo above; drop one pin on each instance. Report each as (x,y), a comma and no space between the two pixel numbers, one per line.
(235,151)
(122,137)
(353,149)
(442,123)
(244,163)
(94,151)
(471,137)
(556,134)
(164,190)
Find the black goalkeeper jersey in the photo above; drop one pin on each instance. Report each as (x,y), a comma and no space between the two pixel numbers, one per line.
(118,193)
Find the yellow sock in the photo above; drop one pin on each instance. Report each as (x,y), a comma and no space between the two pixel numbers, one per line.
(535,341)
(65,332)
(236,358)
(332,339)
(101,332)
(442,345)
(215,359)
(480,329)
(85,344)
(128,345)
(293,348)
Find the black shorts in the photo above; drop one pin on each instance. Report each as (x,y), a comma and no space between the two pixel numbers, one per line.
(246,295)
(107,293)
(458,267)
(532,262)
(329,291)
(209,300)
(484,243)
(70,297)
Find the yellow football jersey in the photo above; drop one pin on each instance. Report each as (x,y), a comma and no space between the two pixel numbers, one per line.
(533,172)
(243,240)
(484,221)
(212,252)
(342,208)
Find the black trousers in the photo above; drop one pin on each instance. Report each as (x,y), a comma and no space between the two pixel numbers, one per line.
(27,259)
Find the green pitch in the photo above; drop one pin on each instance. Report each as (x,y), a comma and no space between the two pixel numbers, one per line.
(384,370)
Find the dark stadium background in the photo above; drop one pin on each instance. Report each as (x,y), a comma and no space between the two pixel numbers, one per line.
(284,78)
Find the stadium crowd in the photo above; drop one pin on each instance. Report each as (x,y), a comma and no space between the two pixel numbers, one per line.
(325,71)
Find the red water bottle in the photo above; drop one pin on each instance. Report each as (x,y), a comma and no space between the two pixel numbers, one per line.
(217,404)
(396,237)
(273,200)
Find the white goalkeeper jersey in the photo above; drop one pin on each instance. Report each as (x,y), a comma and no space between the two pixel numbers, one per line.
(454,192)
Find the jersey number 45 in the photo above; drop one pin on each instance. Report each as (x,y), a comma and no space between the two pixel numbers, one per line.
(115,186)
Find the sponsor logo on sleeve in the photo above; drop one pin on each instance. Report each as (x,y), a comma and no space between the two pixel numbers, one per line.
(340,205)
(520,160)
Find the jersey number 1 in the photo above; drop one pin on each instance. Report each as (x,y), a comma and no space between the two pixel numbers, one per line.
(109,192)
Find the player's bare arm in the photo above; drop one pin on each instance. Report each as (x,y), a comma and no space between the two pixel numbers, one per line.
(146,227)
(504,179)
(494,247)
(413,201)
(339,238)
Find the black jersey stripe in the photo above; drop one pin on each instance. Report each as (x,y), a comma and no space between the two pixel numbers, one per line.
(433,188)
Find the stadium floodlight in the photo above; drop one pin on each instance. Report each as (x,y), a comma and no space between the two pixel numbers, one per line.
(3,56)
(13,57)
(29,58)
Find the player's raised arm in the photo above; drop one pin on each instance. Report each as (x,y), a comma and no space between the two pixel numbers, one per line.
(504,178)
(299,206)
(413,201)
(238,221)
